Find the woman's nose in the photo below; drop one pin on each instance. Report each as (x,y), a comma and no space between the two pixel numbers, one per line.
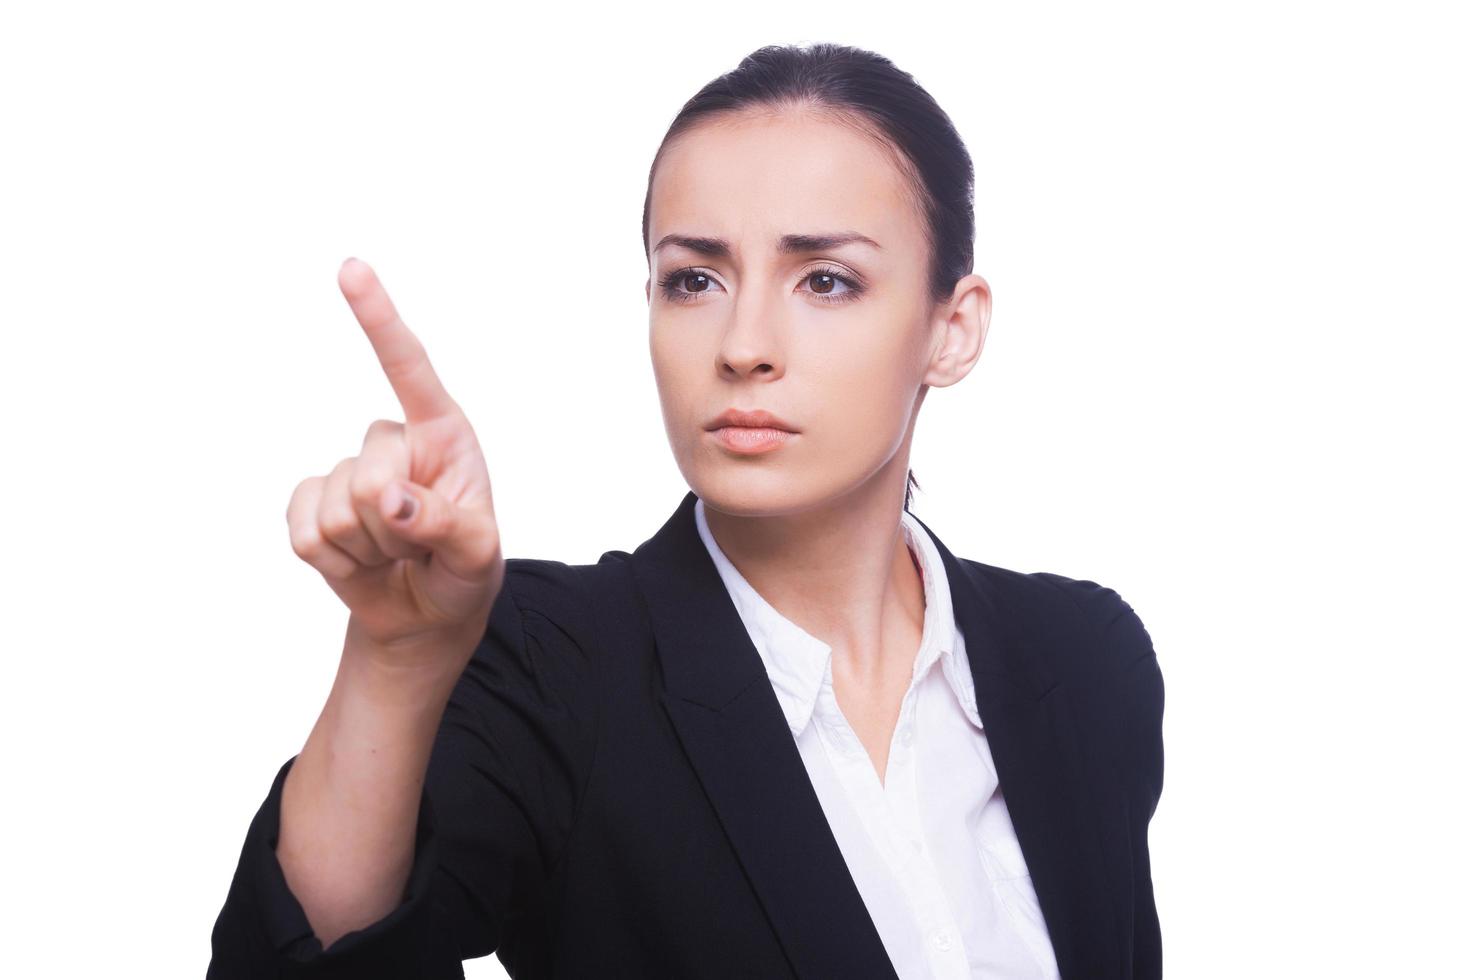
(753,341)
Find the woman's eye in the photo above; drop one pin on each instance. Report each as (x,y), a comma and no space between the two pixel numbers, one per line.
(831,286)
(827,285)
(684,285)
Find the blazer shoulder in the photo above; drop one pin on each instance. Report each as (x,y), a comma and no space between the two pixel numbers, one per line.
(1091,618)
(568,595)
(1099,643)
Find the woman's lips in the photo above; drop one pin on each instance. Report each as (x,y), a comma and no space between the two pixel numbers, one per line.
(750,440)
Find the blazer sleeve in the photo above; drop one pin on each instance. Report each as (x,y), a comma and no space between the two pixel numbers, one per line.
(501,794)
(1139,695)
(1133,686)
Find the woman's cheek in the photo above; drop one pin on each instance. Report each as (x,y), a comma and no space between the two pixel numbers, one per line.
(861,428)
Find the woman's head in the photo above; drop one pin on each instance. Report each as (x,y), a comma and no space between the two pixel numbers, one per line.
(747,311)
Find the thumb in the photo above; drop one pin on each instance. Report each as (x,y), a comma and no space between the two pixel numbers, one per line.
(460,538)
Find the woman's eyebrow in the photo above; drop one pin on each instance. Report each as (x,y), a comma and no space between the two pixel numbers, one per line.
(787,244)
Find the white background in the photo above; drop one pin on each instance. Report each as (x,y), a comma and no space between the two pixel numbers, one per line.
(1225,376)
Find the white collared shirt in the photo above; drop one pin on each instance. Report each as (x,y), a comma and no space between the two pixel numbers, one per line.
(932,849)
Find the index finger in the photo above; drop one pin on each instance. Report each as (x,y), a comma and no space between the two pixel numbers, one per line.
(402,356)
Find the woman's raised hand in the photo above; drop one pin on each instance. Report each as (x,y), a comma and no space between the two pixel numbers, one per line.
(404,532)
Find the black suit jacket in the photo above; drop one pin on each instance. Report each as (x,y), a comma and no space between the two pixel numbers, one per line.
(614,791)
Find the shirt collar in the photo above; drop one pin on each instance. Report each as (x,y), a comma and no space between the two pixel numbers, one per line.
(799,664)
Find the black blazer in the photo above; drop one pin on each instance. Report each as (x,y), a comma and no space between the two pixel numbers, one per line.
(614,792)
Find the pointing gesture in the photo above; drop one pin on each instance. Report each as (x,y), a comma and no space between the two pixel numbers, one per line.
(405,531)
(403,358)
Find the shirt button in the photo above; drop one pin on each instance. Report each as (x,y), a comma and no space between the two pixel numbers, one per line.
(905,736)
(917,844)
(942,942)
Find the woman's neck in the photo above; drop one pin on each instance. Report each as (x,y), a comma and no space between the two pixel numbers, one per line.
(844,574)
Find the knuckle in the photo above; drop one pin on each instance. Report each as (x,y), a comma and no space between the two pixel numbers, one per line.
(384,426)
(367,482)
(306,543)
(302,493)
(337,521)
(382,431)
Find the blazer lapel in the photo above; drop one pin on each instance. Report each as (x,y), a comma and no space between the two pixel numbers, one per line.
(1030,725)
(724,710)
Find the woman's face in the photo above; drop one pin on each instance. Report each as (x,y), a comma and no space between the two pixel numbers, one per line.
(839,341)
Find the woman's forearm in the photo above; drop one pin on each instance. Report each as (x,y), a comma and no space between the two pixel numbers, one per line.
(349,805)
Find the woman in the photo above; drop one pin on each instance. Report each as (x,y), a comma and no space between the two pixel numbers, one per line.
(772,740)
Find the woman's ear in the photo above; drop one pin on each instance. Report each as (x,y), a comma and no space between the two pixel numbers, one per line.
(961,325)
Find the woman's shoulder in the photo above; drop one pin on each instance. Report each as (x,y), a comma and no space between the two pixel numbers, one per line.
(1080,616)
(575,597)
(1097,647)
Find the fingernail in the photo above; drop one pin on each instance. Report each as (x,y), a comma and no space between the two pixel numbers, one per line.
(407,508)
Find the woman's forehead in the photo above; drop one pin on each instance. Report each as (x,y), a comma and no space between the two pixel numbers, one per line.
(754,179)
